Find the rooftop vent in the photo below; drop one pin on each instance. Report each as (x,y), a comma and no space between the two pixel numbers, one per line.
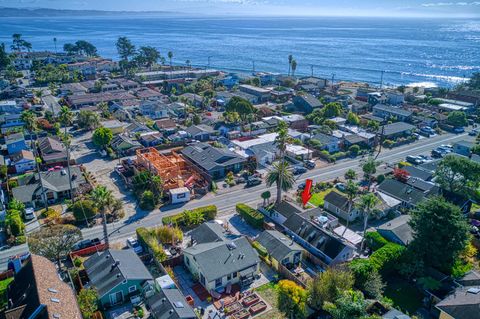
(56,315)
(52,290)
(474,290)
(55,300)
(178,304)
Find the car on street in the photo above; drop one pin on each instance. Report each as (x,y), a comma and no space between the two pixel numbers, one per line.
(473,133)
(458,130)
(29,213)
(416,160)
(253,181)
(85,244)
(133,244)
(297,170)
(310,164)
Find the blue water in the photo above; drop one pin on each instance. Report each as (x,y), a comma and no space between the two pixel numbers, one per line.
(436,51)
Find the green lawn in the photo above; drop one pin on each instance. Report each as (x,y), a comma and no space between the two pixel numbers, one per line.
(269,293)
(404,295)
(3,291)
(318,198)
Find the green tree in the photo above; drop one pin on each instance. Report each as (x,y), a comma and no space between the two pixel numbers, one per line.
(352,118)
(373,286)
(54,242)
(351,190)
(103,199)
(369,169)
(432,222)
(457,119)
(170,57)
(125,48)
(148,56)
(458,175)
(147,200)
(332,109)
(350,305)
(14,223)
(280,175)
(84,210)
(102,137)
(350,175)
(17,205)
(317,116)
(367,204)
(329,285)
(87,119)
(292,299)
(241,106)
(354,149)
(4,57)
(145,180)
(266,197)
(294,66)
(88,302)
(290,60)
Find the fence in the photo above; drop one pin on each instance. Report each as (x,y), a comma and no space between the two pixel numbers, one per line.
(88,251)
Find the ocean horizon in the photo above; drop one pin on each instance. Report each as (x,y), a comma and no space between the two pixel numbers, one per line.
(413,51)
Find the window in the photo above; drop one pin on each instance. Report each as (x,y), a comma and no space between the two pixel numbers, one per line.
(132,289)
(235,274)
(183,195)
(187,261)
(229,276)
(218,282)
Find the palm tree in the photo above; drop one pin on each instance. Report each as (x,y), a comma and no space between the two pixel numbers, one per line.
(351,190)
(188,64)
(65,117)
(281,175)
(369,168)
(294,67)
(290,59)
(367,203)
(103,199)
(170,56)
(282,139)
(55,43)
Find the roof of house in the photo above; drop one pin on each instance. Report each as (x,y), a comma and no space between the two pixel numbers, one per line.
(338,200)
(324,138)
(395,314)
(392,110)
(277,244)
(418,173)
(110,268)
(13,138)
(208,232)
(48,289)
(286,209)
(401,191)
(423,186)
(400,227)
(354,139)
(395,128)
(463,303)
(23,154)
(52,149)
(318,238)
(310,100)
(218,259)
(170,304)
(165,124)
(209,157)
(471,278)
(199,129)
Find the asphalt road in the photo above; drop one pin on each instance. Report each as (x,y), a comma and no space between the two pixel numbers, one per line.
(226,202)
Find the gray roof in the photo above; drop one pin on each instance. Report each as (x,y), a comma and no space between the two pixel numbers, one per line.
(209,157)
(395,128)
(198,129)
(286,209)
(418,173)
(423,186)
(399,227)
(170,304)
(56,181)
(401,191)
(219,259)
(209,232)
(12,138)
(461,304)
(392,110)
(395,314)
(52,149)
(324,138)
(471,278)
(337,199)
(110,268)
(311,100)
(277,244)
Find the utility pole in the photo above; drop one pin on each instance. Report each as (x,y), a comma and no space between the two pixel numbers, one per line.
(311,68)
(381,79)
(253,67)
(333,79)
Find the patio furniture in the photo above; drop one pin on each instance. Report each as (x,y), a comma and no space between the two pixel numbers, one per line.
(257,308)
(215,294)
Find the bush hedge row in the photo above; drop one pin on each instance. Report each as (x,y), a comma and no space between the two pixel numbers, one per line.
(209,213)
(251,216)
(149,242)
(375,241)
(262,251)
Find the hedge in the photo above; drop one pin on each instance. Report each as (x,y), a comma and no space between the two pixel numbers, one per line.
(209,213)
(375,241)
(251,216)
(386,258)
(262,251)
(149,241)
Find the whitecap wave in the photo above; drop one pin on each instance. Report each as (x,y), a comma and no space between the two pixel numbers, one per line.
(426,85)
(446,78)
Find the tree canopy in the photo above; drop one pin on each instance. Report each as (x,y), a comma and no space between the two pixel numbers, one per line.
(457,119)
(87,119)
(102,136)
(329,285)
(458,175)
(292,299)
(80,47)
(241,106)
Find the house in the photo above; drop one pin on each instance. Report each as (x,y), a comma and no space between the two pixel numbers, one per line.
(154,109)
(463,148)
(9,107)
(15,143)
(222,263)
(224,128)
(169,304)
(135,128)
(216,162)
(56,186)
(296,122)
(327,247)
(281,212)
(464,301)
(52,150)
(38,292)
(327,142)
(406,194)
(23,161)
(200,132)
(115,126)
(397,230)
(166,125)
(281,249)
(194,99)
(263,95)
(116,275)
(151,139)
(418,173)
(123,144)
(338,205)
(306,103)
(396,130)
(385,112)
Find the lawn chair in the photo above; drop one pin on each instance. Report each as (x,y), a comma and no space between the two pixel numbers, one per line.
(215,294)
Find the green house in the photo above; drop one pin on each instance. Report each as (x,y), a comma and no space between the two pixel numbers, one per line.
(117,275)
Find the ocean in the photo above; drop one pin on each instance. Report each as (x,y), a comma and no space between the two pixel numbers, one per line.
(428,52)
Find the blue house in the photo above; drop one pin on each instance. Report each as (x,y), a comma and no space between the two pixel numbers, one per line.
(15,143)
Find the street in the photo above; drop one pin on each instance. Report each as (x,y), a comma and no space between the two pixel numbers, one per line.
(226,202)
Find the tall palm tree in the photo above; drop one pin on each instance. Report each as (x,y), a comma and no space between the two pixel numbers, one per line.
(55,43)
(294,67)
(30,120)
(290,59)
(66,117)
(369,169)
(367,203)
(351,190)
(170,56)
(281,175)
(103,199)
(282,139)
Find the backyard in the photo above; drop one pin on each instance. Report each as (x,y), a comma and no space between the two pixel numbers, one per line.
(404,295)
(269,293)
(3,291)
(317,199)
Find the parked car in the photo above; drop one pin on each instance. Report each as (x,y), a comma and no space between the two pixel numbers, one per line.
(437,153)
(473,133)
(86,243)
(340,187)
(253,182)
(302,185)
(133,244)
(297,170)
(458,130)
(29,213)
(310,164)
(414,159)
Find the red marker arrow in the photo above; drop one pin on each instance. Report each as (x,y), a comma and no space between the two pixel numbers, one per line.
(306,192)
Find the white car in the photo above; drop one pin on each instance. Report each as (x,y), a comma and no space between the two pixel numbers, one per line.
(133,244)
(29,213)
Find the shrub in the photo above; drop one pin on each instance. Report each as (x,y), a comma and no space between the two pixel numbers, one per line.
(51,213)
(14,223)
(375,241)
(149,241)
(84,209)
(208,212)
(380,178)
(262,251)
(169,235)
(361,269)
(251,216)
(386,258)
(77,262)
(19,240)
(147,201)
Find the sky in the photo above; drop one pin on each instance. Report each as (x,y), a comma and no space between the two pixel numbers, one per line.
(401,8)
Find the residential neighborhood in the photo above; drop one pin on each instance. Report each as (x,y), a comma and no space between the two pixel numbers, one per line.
(149,189)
